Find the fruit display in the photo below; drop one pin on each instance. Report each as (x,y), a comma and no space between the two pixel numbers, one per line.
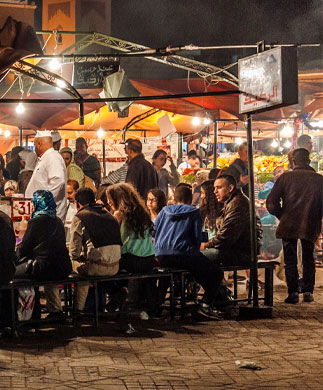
(262,164)
(189,175)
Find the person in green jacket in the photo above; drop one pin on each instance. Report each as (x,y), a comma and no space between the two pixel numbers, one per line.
(137,251)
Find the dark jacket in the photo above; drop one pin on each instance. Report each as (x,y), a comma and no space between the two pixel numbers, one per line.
(142,175)
(7,252)
(101,227)
(236,169)
(233,226)
(14,167)
(178,231)
(301,211)
(44,241)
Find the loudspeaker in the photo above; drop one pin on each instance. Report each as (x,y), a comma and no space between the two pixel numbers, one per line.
(117,85)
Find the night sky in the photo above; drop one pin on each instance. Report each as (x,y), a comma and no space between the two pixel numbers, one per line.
(159,23)
(213,22)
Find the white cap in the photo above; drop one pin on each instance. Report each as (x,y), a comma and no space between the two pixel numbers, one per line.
(56,136)
(43,133)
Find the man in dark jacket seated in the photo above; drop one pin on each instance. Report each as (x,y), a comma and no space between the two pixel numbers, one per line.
(42,255)
(231,244)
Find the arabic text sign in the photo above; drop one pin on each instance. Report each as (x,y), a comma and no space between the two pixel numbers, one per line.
(267,80)
(87,75)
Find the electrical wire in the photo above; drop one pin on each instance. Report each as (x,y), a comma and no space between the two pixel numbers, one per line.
(9,88)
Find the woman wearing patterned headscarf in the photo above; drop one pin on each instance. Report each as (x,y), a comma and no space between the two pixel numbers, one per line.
(42,253)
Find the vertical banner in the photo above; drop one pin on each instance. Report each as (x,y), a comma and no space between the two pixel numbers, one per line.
(59,15)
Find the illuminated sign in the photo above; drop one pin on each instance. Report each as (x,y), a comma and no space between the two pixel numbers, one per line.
(268,80)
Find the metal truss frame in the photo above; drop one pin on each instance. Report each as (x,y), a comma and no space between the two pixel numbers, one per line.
(45,76)
(202,69)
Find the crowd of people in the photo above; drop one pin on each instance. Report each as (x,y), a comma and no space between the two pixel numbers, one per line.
(128,222)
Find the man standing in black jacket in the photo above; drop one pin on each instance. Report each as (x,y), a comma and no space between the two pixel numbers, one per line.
(239,169)
(297,201)
(140,172)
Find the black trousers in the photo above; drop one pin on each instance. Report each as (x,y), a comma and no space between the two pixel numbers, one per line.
(140,265)
(290,257)
(206,272)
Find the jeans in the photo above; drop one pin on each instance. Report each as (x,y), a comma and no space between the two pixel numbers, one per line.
(227,257)
(290,257)
(206,272)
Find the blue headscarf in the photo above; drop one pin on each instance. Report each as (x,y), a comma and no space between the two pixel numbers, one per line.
(44,204)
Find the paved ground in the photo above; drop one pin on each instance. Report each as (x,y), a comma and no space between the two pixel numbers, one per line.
(164,354)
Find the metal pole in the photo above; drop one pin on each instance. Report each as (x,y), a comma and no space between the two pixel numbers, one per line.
(103,156)
(120,99)
(201,151)
(81,111)
(180,148)
(252,212)
(215,142)
(20,136)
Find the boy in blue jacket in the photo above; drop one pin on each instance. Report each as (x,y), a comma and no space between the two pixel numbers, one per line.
(178,236)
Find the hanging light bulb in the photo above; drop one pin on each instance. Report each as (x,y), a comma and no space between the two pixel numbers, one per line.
(54,64)
(238,141)
(20,109)
(100,133)
(207,121)
(287,144)
(7,133)
(274,144)
(60,84)
(287,130)
(196,121)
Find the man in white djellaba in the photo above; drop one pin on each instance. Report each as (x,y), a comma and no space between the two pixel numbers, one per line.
(49,173)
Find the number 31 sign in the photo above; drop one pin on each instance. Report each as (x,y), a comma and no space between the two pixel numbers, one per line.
(21,208)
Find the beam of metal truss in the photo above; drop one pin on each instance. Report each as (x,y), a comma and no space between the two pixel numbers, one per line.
(141,117)
(122,99)
(200,68)
(45,76)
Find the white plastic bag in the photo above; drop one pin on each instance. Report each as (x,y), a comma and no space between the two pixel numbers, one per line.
(26,303)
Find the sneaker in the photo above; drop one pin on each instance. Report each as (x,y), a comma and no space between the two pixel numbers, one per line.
(143,315)
(308,297)
(292,298)
(117,300)
(207,311)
